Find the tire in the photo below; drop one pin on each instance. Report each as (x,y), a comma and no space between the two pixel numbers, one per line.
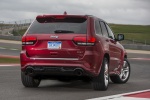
(101,81)
(124,75)
(29,81)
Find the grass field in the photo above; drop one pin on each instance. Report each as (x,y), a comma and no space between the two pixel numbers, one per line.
(138,33)
(19,32)
(4,60)
(118,28)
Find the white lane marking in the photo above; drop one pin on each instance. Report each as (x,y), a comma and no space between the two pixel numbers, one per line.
(2,48)
(8,48)
(140,58)
(126,98)
(9,41)
(138,51)
(6,65)
(115,97)
(13,49)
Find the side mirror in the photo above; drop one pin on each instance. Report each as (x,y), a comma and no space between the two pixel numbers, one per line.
(120,37)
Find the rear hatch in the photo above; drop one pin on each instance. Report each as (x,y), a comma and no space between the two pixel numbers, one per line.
(60,36)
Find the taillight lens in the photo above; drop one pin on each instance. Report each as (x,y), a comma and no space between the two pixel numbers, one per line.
(29,40)
(83,40)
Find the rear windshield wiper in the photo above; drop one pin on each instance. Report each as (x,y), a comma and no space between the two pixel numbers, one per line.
(63,31)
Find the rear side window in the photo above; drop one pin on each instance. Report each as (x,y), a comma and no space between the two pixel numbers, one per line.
(98,28)
(111,35)
(62,25)
(104,29)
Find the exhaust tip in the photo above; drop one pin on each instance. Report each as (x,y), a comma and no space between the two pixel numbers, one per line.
(29,71)
(78,72)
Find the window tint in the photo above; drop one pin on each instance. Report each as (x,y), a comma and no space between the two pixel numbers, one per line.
(104,29)
(58,27)
(111,35)
(98,28)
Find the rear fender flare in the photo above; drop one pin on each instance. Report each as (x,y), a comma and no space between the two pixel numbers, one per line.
(106,54)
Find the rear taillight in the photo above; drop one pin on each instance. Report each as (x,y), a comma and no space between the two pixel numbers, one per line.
(29,40)
(83,40)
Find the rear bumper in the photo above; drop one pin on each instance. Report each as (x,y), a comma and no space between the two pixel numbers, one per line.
(60,66)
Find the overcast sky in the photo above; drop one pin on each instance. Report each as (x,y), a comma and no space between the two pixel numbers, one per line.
(112,11)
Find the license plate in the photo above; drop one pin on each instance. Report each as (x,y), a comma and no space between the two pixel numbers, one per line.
(54,45)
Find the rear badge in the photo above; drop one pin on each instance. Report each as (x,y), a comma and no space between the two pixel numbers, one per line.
(54,37)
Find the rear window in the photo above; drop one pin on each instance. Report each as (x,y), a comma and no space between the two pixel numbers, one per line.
(53,25)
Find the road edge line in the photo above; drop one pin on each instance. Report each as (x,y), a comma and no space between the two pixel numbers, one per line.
(7,65)
(118,95)
(8,56)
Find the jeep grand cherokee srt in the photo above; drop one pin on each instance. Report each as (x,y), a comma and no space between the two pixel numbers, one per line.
(72,47)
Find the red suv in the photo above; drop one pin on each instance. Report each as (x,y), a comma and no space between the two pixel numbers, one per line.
(72,47)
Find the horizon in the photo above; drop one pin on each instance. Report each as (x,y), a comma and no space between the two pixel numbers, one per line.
(12,22)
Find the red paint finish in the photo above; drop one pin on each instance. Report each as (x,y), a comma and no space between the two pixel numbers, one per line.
(80,42)
(140,95)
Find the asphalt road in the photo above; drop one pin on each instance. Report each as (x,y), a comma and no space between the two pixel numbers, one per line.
(11,87)
(10,45)
(10,49)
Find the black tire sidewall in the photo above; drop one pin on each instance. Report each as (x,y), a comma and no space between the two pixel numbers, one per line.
(29,81)
(98,82)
